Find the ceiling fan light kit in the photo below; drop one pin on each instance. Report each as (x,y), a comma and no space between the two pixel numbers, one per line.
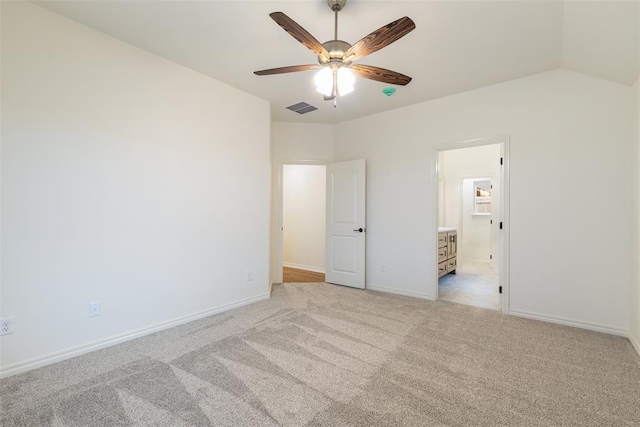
(336,57)
(330,80)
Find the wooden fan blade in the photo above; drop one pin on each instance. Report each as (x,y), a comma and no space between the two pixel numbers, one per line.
(380,74)
(300,34)
(282,70)
(380,38)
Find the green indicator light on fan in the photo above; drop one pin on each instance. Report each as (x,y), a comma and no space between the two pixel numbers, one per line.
(389,91)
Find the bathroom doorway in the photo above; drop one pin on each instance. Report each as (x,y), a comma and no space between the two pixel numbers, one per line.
(471,223)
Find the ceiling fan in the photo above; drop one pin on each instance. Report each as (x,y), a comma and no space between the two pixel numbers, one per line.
(336,57)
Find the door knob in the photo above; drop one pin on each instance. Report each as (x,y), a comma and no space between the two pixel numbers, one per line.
(359,230)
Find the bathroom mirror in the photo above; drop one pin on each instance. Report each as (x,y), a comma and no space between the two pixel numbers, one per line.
(482,197)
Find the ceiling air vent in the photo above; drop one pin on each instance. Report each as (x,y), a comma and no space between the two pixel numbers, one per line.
(301,108)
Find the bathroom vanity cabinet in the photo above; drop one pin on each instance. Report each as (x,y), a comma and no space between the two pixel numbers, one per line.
(447,250)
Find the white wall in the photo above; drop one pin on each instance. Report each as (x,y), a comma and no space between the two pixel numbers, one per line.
(571,165)
(303,143)
(126,179)
(304,196)
(474,232)
(634,297)
(634,288)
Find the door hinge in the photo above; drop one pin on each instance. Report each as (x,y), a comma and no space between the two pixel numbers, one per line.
(499,289)
(490,221)
(501,159)
(492,186)
(500,225)
(490,256)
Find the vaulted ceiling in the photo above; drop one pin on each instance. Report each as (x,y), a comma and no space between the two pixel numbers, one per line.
(456,46)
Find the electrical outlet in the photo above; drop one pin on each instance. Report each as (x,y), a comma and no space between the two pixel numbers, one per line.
(6,326)
(94,309)
(383,267)
(249,276)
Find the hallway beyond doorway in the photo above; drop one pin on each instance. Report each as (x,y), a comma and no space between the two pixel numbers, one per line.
(294,275)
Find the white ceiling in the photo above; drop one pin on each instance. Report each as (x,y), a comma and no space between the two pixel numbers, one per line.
(456,46)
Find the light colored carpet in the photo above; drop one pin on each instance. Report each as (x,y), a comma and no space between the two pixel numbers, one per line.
(318,354)
(474,283)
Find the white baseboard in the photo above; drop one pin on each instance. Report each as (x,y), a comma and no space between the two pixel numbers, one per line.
(571,322)
(635,343)
(303,267)
(395,291)
(58,356)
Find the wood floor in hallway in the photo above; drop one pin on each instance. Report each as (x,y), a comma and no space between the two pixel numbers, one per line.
(294,275)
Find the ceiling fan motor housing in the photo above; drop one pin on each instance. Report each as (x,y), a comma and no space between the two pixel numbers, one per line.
(336,49)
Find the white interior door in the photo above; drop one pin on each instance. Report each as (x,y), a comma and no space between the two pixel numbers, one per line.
(346,228)
(476,226)
(495,222)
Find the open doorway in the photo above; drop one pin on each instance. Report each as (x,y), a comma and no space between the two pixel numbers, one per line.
(471,206)
(303,223)
(338,225)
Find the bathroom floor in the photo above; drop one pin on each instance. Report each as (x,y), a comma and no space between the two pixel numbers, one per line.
(473,284)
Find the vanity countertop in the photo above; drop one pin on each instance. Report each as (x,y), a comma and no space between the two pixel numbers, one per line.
(446,229)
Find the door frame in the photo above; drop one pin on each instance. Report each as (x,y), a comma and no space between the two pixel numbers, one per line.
(279,214)
(503,237)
